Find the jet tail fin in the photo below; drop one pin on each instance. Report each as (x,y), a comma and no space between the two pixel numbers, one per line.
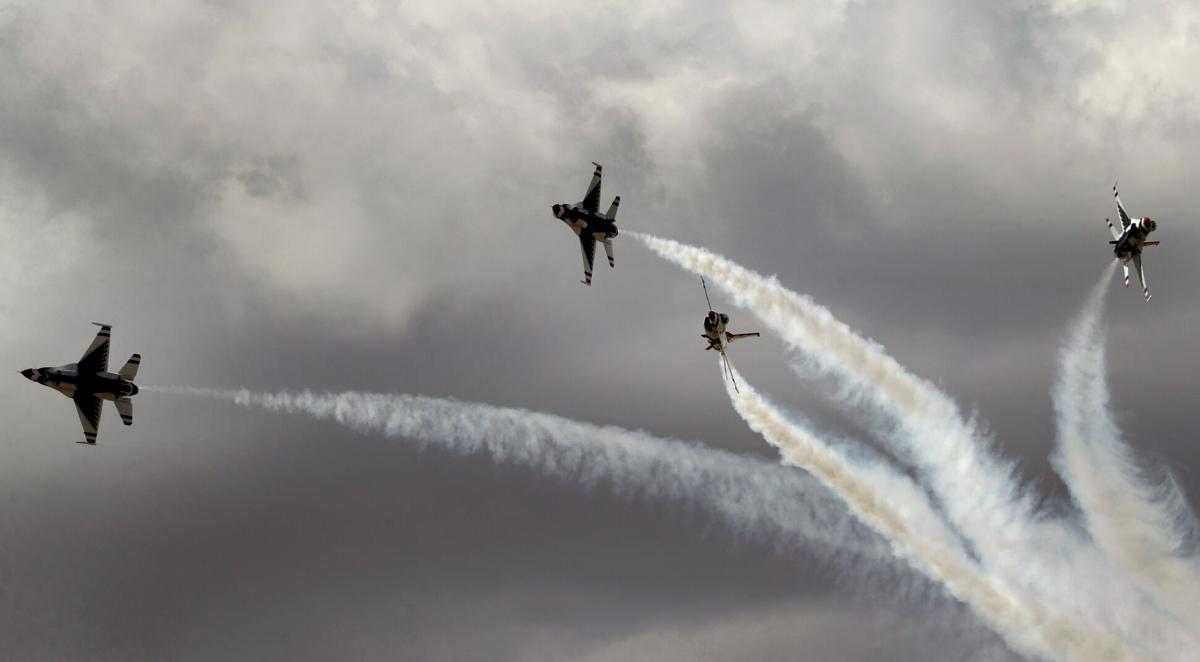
(125,409)
(130,370)
(612,210)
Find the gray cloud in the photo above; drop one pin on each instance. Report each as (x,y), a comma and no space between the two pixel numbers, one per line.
(283,195)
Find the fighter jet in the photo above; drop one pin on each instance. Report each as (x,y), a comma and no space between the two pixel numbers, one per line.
(717,336)
(585,219)
(1129,241)
(88,382)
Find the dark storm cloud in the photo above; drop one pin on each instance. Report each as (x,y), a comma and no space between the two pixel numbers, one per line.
(277,195)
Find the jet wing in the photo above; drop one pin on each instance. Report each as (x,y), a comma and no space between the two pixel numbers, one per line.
(730,337)
(591,200)
(89,410)
(587,244)
(1125,221)
(95,359)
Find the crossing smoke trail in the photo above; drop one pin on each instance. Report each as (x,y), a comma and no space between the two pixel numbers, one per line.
(1043,559)
(753,497)
(977,490)
(1143,524)
(898,510)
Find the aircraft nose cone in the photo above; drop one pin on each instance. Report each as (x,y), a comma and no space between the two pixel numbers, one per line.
(28,373)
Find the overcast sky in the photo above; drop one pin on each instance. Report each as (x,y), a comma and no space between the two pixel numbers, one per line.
(356,196)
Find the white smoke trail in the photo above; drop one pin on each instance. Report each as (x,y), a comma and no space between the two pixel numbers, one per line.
(753,497)
(897,509)
(1142,524)
(1040,557)
(977,490)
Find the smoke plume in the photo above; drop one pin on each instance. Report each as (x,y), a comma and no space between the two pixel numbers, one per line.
(752,497)
(1082,601)
(1141,522)
(895,508)
(977,489)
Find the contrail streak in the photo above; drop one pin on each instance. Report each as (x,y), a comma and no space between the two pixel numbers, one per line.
(977,490)
(753,497)
(894,507)
(1143,524)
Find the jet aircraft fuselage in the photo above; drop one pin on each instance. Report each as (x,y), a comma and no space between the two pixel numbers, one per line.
(581,220)
(68,380)
(717,335)
(1133,238)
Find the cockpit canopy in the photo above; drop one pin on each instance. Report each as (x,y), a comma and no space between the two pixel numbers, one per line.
(1149,224)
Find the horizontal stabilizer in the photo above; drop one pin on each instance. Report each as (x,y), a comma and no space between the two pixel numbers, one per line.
(131,367)
(612,210)
(125,409)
